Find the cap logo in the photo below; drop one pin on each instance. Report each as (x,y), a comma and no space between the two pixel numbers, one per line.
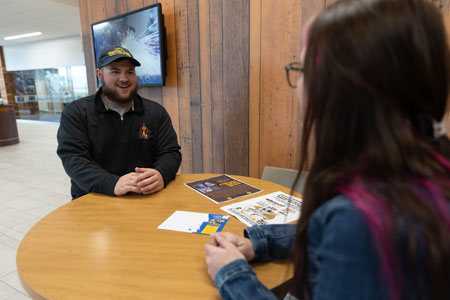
(119,51)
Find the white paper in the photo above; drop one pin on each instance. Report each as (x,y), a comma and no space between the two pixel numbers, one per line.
(274,208)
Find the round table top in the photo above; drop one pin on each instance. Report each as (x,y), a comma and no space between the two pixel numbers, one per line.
(103,247)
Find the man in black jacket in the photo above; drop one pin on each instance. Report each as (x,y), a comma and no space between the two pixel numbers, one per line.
(115,141)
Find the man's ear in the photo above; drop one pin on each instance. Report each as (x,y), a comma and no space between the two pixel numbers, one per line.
(98,72)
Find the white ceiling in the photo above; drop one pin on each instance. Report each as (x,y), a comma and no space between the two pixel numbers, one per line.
(54,18)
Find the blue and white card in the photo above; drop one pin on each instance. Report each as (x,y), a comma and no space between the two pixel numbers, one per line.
(194,222)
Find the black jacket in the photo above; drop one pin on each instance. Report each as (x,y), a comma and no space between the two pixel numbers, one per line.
(97,147)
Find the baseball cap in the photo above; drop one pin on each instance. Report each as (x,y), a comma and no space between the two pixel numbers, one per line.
(112,53)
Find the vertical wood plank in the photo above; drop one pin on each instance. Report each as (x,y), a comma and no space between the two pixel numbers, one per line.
(134,5)
(110,9)
(205,65)
(311,7)
(254,86)
(217,126)
(151,2)
(170,91)
(183,84)
(281,24)
(87,45)
(121,6)
(235,88)
(96,13)
(328,2)
(194,89)
(97,10)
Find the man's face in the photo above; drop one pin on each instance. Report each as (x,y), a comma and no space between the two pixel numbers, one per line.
(119,81)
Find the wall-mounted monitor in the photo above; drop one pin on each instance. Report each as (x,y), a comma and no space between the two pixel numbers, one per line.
(143,33)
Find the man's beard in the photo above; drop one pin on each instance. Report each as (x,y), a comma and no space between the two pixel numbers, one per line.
(114,97)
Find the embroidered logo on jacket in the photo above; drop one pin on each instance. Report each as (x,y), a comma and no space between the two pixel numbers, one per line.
(144,132)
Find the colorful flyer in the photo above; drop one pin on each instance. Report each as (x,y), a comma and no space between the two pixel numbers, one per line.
(274,208)
(222,188)
(194,222)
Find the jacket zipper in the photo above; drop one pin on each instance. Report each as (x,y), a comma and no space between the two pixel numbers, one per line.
(123,137)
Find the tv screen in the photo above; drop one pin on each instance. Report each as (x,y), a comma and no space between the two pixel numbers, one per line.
(143,33)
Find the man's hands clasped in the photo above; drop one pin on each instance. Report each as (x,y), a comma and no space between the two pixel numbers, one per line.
(142,181)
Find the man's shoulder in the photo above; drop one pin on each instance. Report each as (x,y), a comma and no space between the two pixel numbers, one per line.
(152,106)
(84,101)
(150,103)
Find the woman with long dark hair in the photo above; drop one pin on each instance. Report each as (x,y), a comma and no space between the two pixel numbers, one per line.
(375,220)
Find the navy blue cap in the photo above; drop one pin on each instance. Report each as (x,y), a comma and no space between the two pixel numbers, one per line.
(113,53)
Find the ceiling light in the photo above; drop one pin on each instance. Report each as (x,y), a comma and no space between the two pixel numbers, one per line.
(20,36)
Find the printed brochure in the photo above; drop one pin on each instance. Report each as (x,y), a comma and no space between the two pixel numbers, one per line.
(222,188)
(274,208)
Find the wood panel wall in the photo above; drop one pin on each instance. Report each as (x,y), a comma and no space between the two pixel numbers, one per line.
(207,86)
(226,89)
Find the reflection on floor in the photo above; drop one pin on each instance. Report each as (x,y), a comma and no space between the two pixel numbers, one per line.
(32,184)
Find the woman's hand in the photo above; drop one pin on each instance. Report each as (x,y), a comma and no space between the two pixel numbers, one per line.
(220,252)
(243,244)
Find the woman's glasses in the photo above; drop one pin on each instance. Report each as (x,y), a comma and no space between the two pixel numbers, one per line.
(293,72)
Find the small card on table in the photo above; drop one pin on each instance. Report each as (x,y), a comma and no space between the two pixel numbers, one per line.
(194,222)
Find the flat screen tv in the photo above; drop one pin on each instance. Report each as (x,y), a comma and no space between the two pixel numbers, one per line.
(143,33)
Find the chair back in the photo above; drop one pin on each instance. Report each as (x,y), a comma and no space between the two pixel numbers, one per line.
(285,177)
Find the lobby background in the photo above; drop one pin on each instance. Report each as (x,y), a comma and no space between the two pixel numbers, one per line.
(226,88)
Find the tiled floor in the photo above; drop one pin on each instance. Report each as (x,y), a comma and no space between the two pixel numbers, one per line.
(32,184)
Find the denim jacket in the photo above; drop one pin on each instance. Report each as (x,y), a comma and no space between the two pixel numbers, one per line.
(342,262)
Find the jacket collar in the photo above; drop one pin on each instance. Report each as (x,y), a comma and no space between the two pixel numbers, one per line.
(100,107)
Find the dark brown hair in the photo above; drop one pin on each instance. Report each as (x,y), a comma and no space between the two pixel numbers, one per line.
(377,79)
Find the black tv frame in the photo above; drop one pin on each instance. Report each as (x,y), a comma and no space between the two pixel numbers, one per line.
(162,41)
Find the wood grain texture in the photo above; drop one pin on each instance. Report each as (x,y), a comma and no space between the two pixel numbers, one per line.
(217,105)
(235,85)
(97,12)
(121,6)
(110,10)
(170,90)
(254,88)
(134,4)
(278,103)
(89,57)
(195,88)
(183,72)
(102,247)
(205,69)
(310,8)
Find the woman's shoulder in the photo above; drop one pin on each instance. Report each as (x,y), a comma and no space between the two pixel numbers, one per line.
(341,219)
(342,259)
(338,205)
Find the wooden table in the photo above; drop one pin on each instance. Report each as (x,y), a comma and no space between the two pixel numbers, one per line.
(102,247)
